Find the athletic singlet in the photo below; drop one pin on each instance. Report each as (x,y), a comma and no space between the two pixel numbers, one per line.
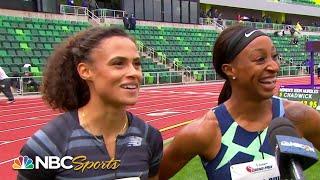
(139,149)
(237,144)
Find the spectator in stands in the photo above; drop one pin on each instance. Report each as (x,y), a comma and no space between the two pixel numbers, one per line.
(210,13)
(126,22)
(93,77)
(298,27)
(283,32)
(229,134)
(70,2)
(295,31)
(252,19)
(295,40)
(92,6)
(238,17)
(132,21)
(203,14)
(219,20)
(245,18)
(216,14)
(84,3)
(264,18)
(292,30)
(268,19)
(318,70)
(5,86)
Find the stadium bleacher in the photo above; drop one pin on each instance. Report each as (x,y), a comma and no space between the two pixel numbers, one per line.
(26,40)
(31,40)
(302,2)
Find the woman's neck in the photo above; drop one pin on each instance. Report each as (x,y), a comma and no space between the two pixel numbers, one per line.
(252,115)
(100,119)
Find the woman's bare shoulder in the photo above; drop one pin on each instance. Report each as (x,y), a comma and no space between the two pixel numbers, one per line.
(297,111)
(204,125)
(306,120)
(204,134)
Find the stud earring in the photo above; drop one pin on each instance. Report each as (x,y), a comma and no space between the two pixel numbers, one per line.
(234,78)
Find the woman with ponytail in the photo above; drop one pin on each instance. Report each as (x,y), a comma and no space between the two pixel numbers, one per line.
(234,132)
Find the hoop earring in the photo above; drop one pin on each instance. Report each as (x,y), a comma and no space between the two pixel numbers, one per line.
(234,78)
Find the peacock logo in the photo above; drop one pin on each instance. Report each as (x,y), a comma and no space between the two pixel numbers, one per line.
(22,162)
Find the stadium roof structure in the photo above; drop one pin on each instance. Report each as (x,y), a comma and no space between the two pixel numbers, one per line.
(266,5)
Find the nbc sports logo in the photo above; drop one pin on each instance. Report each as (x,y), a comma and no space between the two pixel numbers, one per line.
(46,162)
(22,162)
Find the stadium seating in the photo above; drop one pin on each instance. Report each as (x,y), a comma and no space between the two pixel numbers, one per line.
(192,48)
(26,40)
(188,47)
(303,2)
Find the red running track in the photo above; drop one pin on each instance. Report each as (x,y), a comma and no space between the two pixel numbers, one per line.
(166,108)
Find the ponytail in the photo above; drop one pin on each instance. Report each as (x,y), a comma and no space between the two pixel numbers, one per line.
(225,93)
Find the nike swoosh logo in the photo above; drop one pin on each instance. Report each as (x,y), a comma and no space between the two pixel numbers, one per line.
(250,33)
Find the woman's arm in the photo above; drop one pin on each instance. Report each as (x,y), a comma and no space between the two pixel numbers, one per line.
(306,119)
(201,137)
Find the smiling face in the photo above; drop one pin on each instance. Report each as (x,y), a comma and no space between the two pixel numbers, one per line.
(256,68)
(114,75)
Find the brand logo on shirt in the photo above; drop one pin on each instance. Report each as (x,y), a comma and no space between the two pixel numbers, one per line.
(250,33)
(134,141)
(259,168)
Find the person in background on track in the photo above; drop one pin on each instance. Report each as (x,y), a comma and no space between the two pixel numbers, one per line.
(5,86)
(30,82)
(234,132)
(93,77)
(15,81)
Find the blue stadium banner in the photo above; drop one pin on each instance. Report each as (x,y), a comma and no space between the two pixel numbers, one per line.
(310,97)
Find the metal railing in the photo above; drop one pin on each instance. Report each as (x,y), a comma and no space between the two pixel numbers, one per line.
(73,10)
(218,23)
(176,65)
(23,85)
(97,14)
(79,11)
(270,26)
(260,25)
(188,73)
(109,13)
(298,3)
(186,69)
(140,46)
(93,17)
(163,78)
(152,53)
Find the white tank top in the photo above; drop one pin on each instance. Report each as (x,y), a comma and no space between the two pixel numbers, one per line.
(3,75)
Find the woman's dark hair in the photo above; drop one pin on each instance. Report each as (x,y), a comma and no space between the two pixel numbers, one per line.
(221,54)
(62,87)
